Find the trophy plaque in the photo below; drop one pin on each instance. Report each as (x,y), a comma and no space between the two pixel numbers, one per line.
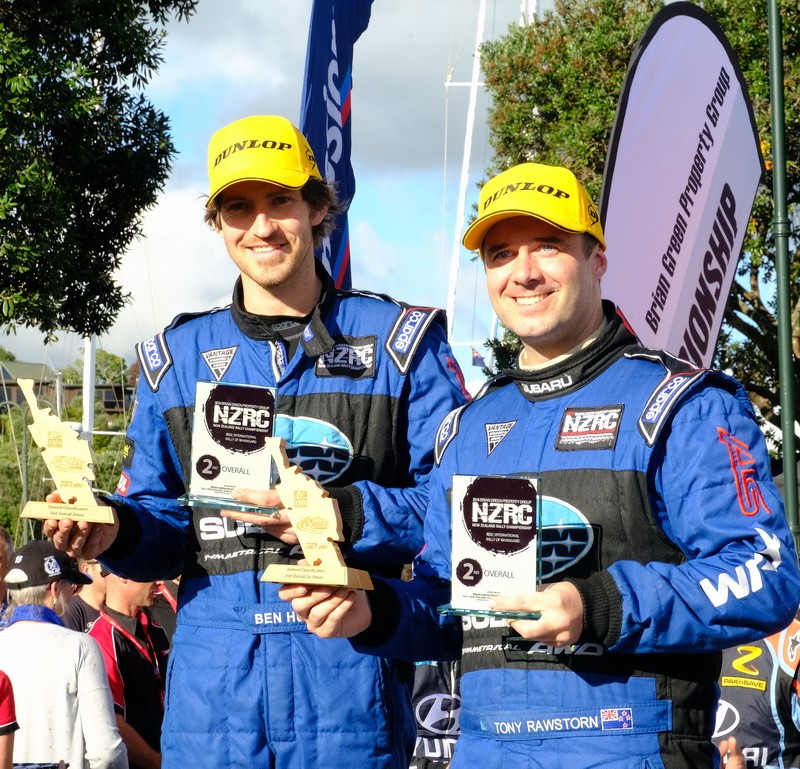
(315,516)
(69,460)
(232,426)
(496,520)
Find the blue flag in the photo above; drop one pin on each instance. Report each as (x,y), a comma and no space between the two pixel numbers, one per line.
(477,359)
(325,117)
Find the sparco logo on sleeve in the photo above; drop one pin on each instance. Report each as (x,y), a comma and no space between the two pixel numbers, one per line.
(407,334)
(447,431)
(662,400)
(589,428)
(155,359)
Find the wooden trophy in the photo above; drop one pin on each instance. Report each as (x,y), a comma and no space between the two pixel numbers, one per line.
(314,514)
(69,461)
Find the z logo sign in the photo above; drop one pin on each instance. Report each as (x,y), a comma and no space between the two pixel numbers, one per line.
(747,655)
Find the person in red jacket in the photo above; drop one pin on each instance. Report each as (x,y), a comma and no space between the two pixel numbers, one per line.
(8,722)
(135,652)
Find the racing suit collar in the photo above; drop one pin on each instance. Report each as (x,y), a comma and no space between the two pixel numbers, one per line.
(316,340)
(576,370)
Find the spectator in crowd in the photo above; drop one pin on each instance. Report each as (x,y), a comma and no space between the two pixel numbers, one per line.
(653,560)
(8,722)
(361,380)
(84,608)
(755,699)
(135,653)
(61,692)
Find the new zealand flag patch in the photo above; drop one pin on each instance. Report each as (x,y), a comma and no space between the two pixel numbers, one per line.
(616,719)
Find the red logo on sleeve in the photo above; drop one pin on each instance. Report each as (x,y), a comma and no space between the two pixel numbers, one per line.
(751,499)
(124,484)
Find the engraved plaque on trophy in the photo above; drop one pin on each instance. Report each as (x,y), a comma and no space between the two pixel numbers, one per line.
(315,517)
(69,460)
(496,522)
(232,426)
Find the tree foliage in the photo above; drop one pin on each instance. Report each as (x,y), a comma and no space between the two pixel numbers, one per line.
(505,350)
(82,153)
(555,84)
(108,369)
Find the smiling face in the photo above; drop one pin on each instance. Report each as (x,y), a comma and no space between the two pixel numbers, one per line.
(542,285)
(268,233)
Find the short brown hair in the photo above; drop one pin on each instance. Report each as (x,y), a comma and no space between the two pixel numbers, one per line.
(590,242)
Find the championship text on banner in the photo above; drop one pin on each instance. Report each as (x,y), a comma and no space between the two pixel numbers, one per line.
(681,175)
(325,119)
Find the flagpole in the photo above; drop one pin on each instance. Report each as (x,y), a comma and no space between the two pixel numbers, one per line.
(462,193)
(781,231)
(88,390)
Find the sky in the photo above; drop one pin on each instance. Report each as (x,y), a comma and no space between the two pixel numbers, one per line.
(246,57)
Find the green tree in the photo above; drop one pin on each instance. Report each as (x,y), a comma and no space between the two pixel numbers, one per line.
(82,153)
(109,369)
(555,84)
(20,460)
(505,350)
(7,354)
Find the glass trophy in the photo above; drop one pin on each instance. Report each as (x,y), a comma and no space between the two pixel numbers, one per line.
(496,547)
(233,424)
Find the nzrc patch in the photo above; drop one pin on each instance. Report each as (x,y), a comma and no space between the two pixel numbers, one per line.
(352,357)
(589,428)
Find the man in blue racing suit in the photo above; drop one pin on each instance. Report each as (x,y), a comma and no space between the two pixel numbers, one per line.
(361,383)
(663,538)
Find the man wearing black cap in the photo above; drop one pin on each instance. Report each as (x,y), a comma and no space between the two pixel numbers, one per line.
(663,538)
(360,381)
(61,693)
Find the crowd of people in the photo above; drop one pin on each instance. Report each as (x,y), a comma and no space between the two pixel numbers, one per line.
(85,692)
(653,563)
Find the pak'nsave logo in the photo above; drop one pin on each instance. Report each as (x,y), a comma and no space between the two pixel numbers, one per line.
(566,536)
(318,448)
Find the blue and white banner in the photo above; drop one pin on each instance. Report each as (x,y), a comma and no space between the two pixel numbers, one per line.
(682,172)
(325,118)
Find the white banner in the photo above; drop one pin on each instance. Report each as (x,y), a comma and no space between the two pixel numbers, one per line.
(681,175)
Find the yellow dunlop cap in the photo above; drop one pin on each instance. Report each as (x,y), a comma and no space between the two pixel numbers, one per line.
(550,193)
(263,148)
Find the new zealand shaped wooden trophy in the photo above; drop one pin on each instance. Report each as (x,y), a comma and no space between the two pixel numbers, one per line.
(315,517)
(69,461)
